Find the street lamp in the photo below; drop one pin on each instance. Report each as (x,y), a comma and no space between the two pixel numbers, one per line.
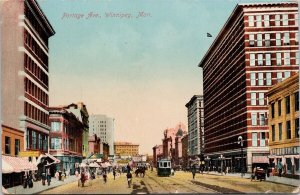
(240,141)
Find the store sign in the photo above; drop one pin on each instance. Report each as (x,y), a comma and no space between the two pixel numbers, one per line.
(29,154)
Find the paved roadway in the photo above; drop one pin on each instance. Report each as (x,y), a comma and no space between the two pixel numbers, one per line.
(181,182)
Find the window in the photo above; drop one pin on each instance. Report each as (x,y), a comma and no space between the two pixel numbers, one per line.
(279,77)
(55,126)
(296,96)
(251,20)
(267,40)
(297,127)
(33,140)
(55,143)
(278,59)
(273,110)
(285,20)
(40,141)
(45,142)
(286,38)
(254,139)
(261,79)
(7,145)
(262,139)
(278,39)
(280,131)
(258,21)
(262,119)
(17,147)
(252,59)
(273,132)
(288,129)
(251,39)
(279,107)
(269,78)
(268,59)
(261,100)
(259,59)
(253,99)
(287,105)
(254,119)
(297,58)
(27,139)
(296,38)
(277,20)
(252,79)
(259,40)
(266,20)
(287,74)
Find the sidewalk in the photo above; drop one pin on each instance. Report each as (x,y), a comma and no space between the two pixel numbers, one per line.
(274,179)
(38,187)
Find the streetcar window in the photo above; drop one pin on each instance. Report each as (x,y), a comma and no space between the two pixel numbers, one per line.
(169,164)
(161,164)
(165,164)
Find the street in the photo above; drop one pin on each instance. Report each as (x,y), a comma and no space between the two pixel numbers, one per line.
(181,182)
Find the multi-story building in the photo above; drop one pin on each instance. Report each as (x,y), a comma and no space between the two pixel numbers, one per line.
(256,48)
(169,148)
(195,114)
(25,31)
(126,149)
(95,145)
(157,154)
(80,111)
(103,127)
(65,138)
(185,146)
(284,125)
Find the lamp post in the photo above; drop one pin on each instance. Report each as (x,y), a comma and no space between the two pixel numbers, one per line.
(240,141)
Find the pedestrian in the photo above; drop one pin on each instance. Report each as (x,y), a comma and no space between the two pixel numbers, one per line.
(104,176)
(114,173)
(25,180)
(29,179)
(56,175)
(279,167)
(48,176)
(128,168)
(194,171)
(129,179)
(82,177)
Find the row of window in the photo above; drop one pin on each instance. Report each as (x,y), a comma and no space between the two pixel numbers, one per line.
(36,92)
(271,39)
(262,140)
(35,113)
(265,79)
(30,65)
(279,20)
(287,105)
(266,59)
(8,146)
(261,121)
(257,99)
(288,132)
(36,140)
(36,25)
(35,48)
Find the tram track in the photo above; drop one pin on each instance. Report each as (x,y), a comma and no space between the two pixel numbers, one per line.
(191,186)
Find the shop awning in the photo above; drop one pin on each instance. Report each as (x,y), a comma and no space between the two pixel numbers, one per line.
(47,155)
(6,168)
(260,159)
(18,164)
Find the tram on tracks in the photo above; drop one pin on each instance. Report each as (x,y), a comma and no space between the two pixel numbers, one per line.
(164,167)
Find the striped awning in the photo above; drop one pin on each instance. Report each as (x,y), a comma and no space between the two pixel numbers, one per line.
(260,159)
(18,164)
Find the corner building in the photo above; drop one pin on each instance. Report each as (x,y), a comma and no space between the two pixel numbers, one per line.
(25,31)
(256,48)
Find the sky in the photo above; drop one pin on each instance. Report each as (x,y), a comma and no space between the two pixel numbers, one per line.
(140,67)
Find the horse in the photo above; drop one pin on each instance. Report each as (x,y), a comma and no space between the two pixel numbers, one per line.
(140,171)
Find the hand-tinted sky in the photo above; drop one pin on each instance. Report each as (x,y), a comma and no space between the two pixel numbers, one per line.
(140,71)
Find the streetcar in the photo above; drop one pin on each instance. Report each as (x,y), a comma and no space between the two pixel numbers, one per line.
(164,167)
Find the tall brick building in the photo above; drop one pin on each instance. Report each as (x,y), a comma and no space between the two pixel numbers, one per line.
(256,48)
(25,31)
